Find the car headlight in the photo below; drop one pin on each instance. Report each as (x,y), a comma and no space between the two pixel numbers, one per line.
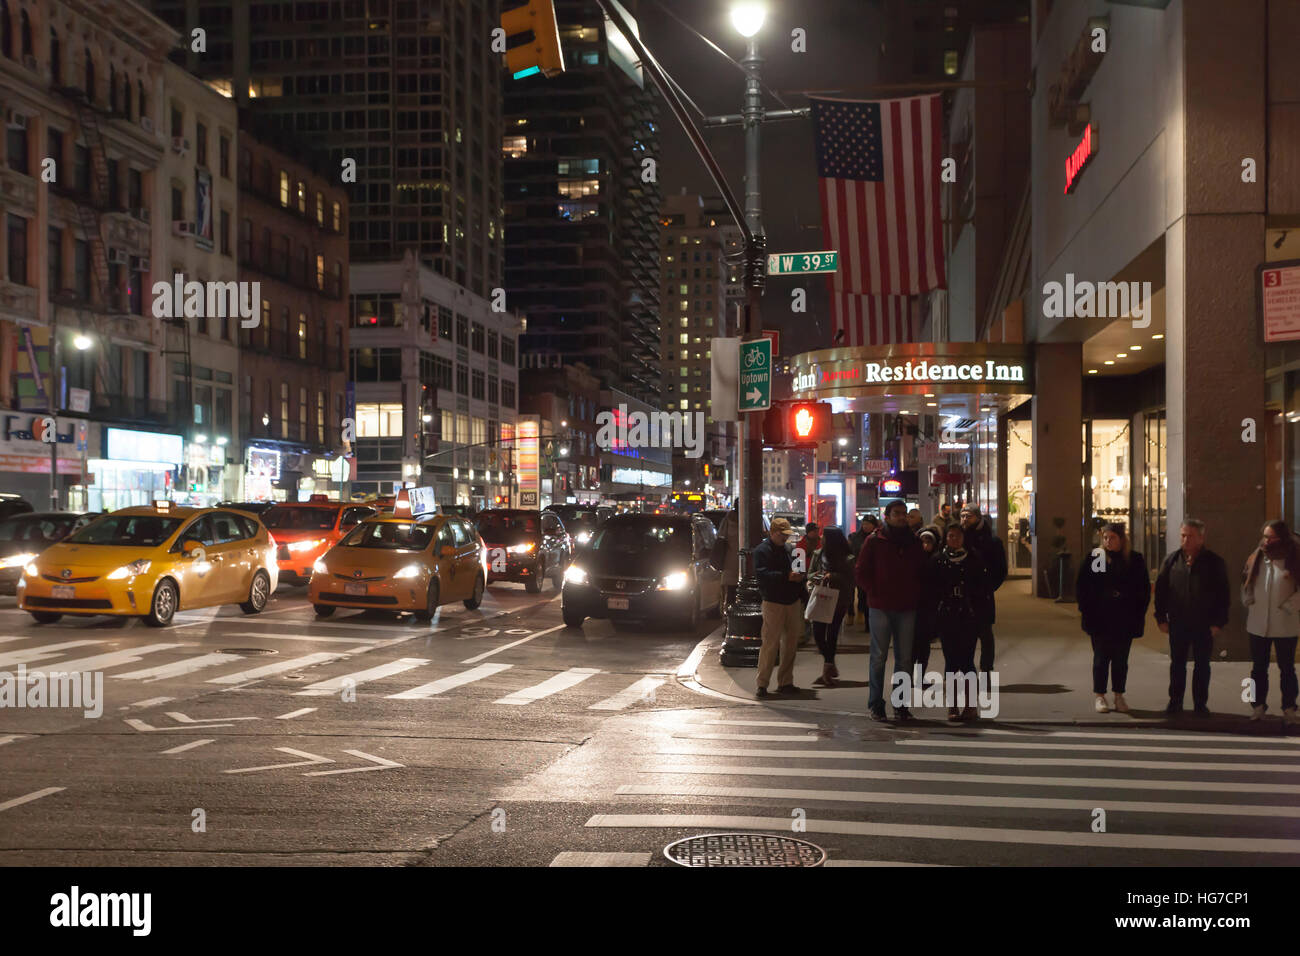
(673,582)
(305,545)
(319,566)
(31,570)
(582,537)
(16,560)
(130,570)
(521,548)
(575,575)
(410,571)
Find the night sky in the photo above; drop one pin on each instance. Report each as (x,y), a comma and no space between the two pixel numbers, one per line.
(842,52)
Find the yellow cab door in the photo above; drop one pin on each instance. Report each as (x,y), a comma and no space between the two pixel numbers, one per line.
(232,568)
(196,572)
(467,555)
(449,577)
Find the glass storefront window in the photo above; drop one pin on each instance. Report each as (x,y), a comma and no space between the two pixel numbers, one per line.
(1107,484)
(1155,488)
(1020,494)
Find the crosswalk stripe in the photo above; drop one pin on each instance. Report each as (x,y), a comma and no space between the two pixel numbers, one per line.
(1125,735)
(451,682)
(189,746)
(1098,783)
(987,760)
(505,647)
(279,667)
(580,858)
(630,695)
(178,668)
(114,659)
(1115,748)
(1083,837)
(28,798)
(313,638)
(552,685)
(877,863)
(961,800)
(325,688)
(760,723)
(789,738)
(29,654)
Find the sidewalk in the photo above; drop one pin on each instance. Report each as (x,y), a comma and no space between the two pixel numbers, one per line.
(1044,665)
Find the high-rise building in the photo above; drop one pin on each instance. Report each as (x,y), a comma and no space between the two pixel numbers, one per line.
(925,40)
(582,198)
(408,89)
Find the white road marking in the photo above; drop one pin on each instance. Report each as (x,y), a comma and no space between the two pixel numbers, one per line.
(581,858)
(311,759)
(315,638)
(630,695)
(151,702)
(877,863)
(189,746)
(1083,837)
(333,685)
(407,629)
(29,654)
(279,667)
(177,668)
(382,764)
(791,738)
(11,738)
(506,647)
(988,760)
(28,798)
(114,659)
(995,745)
(182,719)
(1090,783)
(692,662)
(552,685)
(296,713)
(760,723)
(443,684)
(1125,735)
(145,728)
(960,800)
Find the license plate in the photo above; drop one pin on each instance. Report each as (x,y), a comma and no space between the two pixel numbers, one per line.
(354,589)
(616,604)
(64,593)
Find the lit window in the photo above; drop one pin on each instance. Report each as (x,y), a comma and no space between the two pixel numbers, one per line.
(685,404)
(379,421)
(684,320)
(320,208)
(337,217)
(950,62)
(685,339)
(284,188)
(514,146)
(682,290)
(320,273)
(302,197)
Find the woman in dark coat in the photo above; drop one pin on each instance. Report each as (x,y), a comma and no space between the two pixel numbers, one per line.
(1113,601)
(955,587)
(833,568)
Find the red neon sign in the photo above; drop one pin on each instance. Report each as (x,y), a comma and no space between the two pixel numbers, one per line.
(1079,159)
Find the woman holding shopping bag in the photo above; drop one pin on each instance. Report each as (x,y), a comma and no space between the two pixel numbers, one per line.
(832,571)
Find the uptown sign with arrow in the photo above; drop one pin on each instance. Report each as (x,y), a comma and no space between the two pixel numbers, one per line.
(755,380)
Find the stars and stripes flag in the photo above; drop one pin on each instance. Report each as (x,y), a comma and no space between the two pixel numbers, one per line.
(878,167)
(874,319)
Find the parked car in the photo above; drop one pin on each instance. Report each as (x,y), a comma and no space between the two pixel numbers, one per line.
(649,567)
(305,530)
(402,564)
(24,536)
(150,562)
(525,546)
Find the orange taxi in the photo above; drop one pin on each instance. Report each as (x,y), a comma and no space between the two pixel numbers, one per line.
(305,530)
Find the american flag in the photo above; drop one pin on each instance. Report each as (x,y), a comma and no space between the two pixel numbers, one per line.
(874,319)
(878,163)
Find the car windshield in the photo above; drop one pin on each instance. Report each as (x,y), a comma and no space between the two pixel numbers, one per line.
(389,536)
(147,531)
(575,521)
(39,529)
(638,537)
(300,519)
(508,528)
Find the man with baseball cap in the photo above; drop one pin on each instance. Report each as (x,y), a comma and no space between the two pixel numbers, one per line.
(981,539)
(781,587)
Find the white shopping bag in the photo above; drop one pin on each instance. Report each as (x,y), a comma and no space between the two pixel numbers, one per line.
(821,604)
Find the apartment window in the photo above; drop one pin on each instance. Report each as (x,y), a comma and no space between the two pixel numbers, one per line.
(377,365)
(379,420)
(338,217)
(284,188)
(284,409)
(302,197)
(302,335)
(508,351)
(493,389)
(950,62)
(508,394)
(320,272)
(444,322)
(134,188)
(223,155)
(462,330)
(320,209)
(201,144)
(320,418)
(178,122)
(478,379)
(225,232)
(462,379)
(442,372)
(493,341)
(178,204)
(302,414)
(17,249)
(477,338)
(54,245)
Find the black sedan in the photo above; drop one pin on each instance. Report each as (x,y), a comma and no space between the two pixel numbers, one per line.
(524,546)
(24,536)
(581,521)
(648,567)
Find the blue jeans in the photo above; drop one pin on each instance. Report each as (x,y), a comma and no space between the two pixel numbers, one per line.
(902,626)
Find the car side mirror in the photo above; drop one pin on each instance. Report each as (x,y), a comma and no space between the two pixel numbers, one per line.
(447,551)
(191,545)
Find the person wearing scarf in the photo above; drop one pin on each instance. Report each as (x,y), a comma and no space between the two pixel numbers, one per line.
(956,587)
(1114,590)
(1269,583)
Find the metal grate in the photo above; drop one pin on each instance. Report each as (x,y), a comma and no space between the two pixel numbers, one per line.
(744,849)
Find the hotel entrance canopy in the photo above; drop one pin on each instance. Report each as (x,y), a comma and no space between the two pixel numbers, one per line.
(917,378)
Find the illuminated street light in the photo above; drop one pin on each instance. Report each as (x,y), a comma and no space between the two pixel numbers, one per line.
(82,342)
(748,16)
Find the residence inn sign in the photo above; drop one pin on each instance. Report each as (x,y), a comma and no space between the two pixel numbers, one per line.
(913,368)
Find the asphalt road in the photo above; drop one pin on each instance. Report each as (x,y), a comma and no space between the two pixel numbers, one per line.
(500,737)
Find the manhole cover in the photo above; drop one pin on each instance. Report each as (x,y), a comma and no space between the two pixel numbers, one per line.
(744,849)
(247,650)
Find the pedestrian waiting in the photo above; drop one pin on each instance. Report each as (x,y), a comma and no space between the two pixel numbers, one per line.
(1192,602)
(1114,590)
(956,587)
(1273,614)
(832,567)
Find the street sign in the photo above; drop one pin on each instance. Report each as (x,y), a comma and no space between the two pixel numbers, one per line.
(802,263)
(755,375)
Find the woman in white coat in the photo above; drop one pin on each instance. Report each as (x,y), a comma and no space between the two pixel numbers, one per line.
(1269,591)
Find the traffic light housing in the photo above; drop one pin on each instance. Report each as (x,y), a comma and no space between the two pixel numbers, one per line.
(542,54)
(797,424)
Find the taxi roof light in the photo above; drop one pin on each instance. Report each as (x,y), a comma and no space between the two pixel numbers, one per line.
(162,505)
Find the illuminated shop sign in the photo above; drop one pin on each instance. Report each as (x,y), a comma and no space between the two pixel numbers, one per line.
(127,445)
(1078,160)
(264,463)
(922,371)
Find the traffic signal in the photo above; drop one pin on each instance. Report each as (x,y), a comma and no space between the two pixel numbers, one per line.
(797,424)
(541,54)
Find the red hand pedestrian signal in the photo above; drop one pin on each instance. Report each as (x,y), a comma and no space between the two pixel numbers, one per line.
(797,424)
(803,423)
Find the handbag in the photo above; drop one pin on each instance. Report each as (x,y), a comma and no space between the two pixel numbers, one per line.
(821,604)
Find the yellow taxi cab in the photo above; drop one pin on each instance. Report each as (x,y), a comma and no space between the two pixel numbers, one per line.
(152,561)
(305,530)
(402,564)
